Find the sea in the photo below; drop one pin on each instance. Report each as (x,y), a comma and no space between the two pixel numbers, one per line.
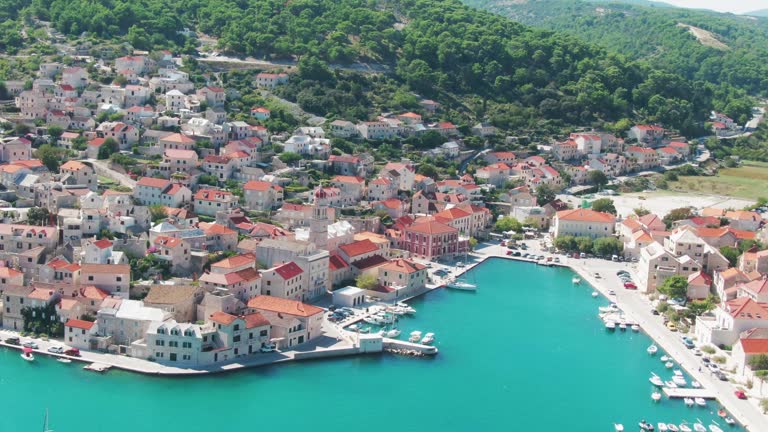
(525,352)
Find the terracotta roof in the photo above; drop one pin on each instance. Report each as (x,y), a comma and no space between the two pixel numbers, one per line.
(255,320)
(759,286)
(348,179)
(215,229)
(289,270)
(286,306)
(41,294)
(403,266)
(80,324)
(711,211)
(180,154)
(336,262)
(102,244)
(178,138)
(91,292)
(700,278)
(8,272)
(370,262)
(585,215)
(754,346)
(257,185)
(168,242)
(212,195)
(432,228)
(153,182)
(359,248)
(235,261)
(222,318)
(746,308)
(73,166)
(117,269)
(743,215)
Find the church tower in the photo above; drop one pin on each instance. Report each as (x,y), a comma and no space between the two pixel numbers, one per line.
(318,225)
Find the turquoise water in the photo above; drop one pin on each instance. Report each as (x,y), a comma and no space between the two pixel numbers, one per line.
(526,352)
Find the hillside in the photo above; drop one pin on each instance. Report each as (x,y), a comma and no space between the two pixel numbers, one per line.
(758,13)
(658,35)
(491,66)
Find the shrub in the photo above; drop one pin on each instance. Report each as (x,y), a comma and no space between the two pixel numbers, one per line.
(719,359)
(708,349)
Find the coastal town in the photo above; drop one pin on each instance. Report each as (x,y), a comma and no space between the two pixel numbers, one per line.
(147,226)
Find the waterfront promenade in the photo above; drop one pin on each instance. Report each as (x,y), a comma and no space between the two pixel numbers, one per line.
(638,308)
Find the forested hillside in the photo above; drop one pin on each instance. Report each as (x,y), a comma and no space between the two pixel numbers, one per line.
(496,67)
(655,34)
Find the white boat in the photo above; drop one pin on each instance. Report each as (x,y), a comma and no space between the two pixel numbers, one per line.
(610,325)
(680,381)
(653,349)
(408,309)
(576,280)
(695,384)
(428,339)
(655,380)
(662,427)
(595,294)
(698,427)
(669,365)
(700,402)
(623,326)
(671,427)
(608,309)
(715,428)
(656,396)
(353,327)
(393,333)
(684,428)
(730,420)
(415,336)
(461,285)
(688,402)
(670,384)
(677,372)
(371,320)
(635,328)
(63,360)
(28,357)
(665,358)
(618,427)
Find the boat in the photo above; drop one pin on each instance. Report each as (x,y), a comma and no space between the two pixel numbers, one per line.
(671,427)
(63,360)
(645,426)
(26,354)
(623,326)
(677,372)
(670,384)
(595,294)
(669,365)
(698,427)
(715,428)
(461,285)
(428,339)
(680,381)
(408,309)
(392,333)
(665,358)
(700,402)
(618,427)
(576,280)
(730,421)
(371,320)
(610,325)
(97,367)
(607,309)
(695,384)
(635,328)
(688,402)
(45,424)
(415,336)
(662,427)
(655,380)
(722,413)
(653,349)
(684,428)
(656,396)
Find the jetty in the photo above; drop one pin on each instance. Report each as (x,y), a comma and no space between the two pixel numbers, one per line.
(98,367)
(679,393)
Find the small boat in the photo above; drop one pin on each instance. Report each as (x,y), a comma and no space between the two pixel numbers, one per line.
(595,294)
(635,328)
(662,427)
(715,428)
(655,380)
(365,330)
(97,367)
(623,326)
(371,320)
(730,421)
(63,360)
(671,427)
(607,309)
(698,427)
(656,396)
(677,372)
(26,354)
(653,349)
(688,402)
(665,358)
(680,381)
(408,309)
(393,333)
(700,402)
(645,426)
(610,325)
(695,384)
(415,336)
(670,384)
(461,285)
(353,327)
(576,280)
(428,339)
(618,427)
(669,365)
(684,428)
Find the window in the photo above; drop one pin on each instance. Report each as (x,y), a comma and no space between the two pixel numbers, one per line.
(236,338)
(263,333)
(90,278)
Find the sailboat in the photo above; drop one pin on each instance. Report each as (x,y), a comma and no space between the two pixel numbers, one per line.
(45,424)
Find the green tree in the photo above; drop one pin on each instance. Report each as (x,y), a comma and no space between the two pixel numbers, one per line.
(106,149)
(677,214)
(584,244)
(641,211)
(544,194)
(675,287)
(50,156)
(38,216)
(759,362)
(597,178)
(55,132)
(566,243)
(607,246)
(157,212)
(604,205)
(731,253)
(429,170)
(289,158)
(507,223)
(366,281)
(472,243)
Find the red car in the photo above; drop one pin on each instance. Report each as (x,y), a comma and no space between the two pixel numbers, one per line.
(630,285)
(509,252)
(740,394)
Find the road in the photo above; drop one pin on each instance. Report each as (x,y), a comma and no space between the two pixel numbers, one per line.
(252,63)
(102,168)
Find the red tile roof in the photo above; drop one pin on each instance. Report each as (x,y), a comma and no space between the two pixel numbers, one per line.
(754,346)
(289,270)
(585,215)
(153,182)
(102,244)
(255,320)
(235,261)
(432,228)
(370,262)
(336,262)
(222,318)
(80,324)
(359,248)
(285,306)
(403,266)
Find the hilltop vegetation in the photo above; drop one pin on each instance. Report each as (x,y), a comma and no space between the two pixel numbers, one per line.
(652,34)
(486,65)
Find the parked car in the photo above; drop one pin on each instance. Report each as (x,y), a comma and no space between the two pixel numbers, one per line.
(654,312)
(557,260)
(12,341)
(267,348)
(740,394)
(713,367)
(672,326)
(630,285)
(721,376)
(72,352)
(30,344)
(56,350)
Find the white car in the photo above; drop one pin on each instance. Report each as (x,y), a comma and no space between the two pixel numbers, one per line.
(30,344)
(56,350)
(268,349)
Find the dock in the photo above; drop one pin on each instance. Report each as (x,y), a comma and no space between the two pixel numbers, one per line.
(679,393)
(98,367)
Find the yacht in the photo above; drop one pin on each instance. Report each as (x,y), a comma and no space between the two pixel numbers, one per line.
(680,381)
(428,339)
(688,402)
(662,427)
(618,427)
(695,384)
(671,427)
(730,421)
(607,309)
(670,384)
(700,402)
(623,326)
(669,365)
(715,428)
(684,428)
(645,426)
(610,325)
(656,396)
(576,280)
(678,372)
(415,336)
(461,285)
(665,358)
(595,294)
(635,328)
(653,349)
(408,309)
(655,380)
(393,333)
(63,360)
(698,427)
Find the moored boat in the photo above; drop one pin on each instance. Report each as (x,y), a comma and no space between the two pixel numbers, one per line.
(665,358)
(656,396)
(670,384)
(685,428)
(610,325)
(655,380)
(576,280)
(695,384)
(669,365)
(428,339)
(461,285)
(662,427)
(635,328)
(645,426)
(392,333)
(595,294)
(671,427)
(618,427)
(680,381)
(63,360)
(653,349)
(698,427)
(715,428)
(700,402)
(26,354)
(622,326)
(688,402)
(677,372)
(730,421)
(415,336)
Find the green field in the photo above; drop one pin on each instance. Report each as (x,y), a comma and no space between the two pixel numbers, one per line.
(747,181)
